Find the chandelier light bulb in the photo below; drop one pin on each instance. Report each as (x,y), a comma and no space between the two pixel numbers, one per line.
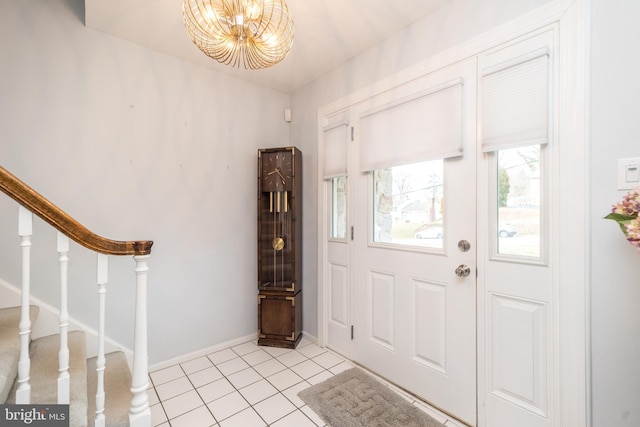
(258,33)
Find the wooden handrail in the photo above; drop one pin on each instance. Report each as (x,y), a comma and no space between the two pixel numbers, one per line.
(57,218)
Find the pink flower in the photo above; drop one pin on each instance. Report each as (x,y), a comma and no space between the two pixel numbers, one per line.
(629,205)
(633,233)
(627,215)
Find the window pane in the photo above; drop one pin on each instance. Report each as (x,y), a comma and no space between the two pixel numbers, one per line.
(519,201)
(339,207)
(408,204)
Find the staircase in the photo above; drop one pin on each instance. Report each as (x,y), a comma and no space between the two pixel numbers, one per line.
(44,373)
(54,369)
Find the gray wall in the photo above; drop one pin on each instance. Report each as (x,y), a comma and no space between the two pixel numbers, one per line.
(615,265)
(135,145)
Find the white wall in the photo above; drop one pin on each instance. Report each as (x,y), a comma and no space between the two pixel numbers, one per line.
(135,145)
(615,265)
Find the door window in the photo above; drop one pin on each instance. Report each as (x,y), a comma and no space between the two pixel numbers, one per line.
(408,205)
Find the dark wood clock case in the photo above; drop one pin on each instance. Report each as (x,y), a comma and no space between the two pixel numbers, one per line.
(279,247)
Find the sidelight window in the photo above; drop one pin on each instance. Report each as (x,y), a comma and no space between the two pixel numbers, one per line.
(339,207)
(519,200)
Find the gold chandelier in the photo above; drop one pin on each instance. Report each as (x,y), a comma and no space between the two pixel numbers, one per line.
(258,33)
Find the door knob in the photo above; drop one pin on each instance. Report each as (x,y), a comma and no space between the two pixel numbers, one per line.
(463,270)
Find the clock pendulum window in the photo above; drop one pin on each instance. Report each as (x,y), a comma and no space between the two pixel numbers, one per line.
(279,247)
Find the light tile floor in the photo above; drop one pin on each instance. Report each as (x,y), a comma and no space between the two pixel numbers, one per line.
(248,386)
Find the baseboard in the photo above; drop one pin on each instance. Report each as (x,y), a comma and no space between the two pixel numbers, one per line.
(47,322)
(203,352)
(308,337)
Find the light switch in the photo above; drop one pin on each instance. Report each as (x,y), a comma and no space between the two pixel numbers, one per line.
(632,173)
(628,173)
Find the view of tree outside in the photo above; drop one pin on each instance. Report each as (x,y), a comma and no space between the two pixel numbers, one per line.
(519,200)
(503,186)
(339,207)
(408,204)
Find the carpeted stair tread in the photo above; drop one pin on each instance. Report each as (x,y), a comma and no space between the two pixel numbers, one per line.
(117,384)
(10,346)
(44,374)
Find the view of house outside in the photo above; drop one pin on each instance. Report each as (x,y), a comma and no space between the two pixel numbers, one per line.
(519,201)
(409,204)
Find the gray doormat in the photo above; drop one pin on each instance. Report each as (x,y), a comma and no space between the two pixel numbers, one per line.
(356,399)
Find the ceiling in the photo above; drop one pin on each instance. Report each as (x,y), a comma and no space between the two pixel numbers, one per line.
(327,33)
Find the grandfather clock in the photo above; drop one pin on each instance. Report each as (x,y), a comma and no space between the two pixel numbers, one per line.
(279,247)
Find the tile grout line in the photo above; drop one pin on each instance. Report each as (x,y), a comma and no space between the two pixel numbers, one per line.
(279,392)
(197,392)
(263,377)
(275,355)
(250,366)
(159,400)
(237,390)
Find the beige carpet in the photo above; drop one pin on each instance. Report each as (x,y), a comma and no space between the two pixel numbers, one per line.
(355,399)
(10,346)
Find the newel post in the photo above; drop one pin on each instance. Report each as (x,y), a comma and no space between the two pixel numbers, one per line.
(139,413)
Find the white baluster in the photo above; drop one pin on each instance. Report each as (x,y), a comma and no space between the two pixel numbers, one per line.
(139,413)
(101,362)
(25,229)
(63,322)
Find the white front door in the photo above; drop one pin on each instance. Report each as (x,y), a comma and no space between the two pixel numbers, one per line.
(414,317)
(513,331)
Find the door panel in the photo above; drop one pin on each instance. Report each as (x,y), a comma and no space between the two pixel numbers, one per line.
(517,342)
(430,321)
(338,295)
(382,315)
(414,318)
(338,307)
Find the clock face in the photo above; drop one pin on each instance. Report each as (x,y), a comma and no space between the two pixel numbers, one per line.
(277,171)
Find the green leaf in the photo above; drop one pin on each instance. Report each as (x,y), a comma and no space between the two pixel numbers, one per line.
(622,226)
(619,217)
(622,220)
